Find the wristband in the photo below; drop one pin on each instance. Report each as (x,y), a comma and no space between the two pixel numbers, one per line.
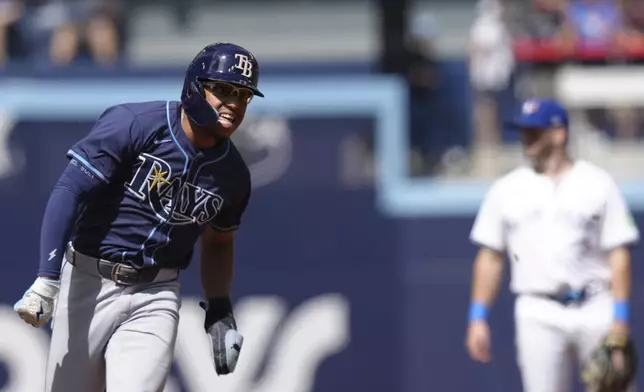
(216,309)
(621,311)
(478,311)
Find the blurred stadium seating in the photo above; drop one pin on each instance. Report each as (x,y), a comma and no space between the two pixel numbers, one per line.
(378,136)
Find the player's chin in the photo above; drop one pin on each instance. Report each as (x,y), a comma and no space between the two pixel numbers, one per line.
(531,153)
(530,157)
(225,128)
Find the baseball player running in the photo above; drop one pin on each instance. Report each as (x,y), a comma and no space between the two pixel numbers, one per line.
(122,221)
(566,230)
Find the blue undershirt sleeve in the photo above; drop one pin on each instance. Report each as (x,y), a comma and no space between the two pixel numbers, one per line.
(95,161)
(68,198)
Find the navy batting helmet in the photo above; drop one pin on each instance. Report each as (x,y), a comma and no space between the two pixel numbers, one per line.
(219,62)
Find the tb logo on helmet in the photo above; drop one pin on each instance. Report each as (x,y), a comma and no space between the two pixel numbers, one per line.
(244,64)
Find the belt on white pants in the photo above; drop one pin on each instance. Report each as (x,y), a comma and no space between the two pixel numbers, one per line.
(119,273)
(573,296)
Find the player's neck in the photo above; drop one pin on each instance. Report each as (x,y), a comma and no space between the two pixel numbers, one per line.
(556,165)
(201,140)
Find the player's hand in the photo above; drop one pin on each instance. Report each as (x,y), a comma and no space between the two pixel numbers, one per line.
(37,303)
(618,335)
(226,341)
(478,341)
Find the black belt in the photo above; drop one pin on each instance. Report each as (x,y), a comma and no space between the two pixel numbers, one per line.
(569,297)
(119,273)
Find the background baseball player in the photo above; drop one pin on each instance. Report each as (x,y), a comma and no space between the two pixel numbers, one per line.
(140,188)
(566,231)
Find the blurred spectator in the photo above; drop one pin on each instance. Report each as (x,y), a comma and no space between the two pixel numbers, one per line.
(582,31)
(631,36)
(604,26)
(60,31)
(422,81)
(85,26)
(594,24)
(491,65)
(535,24)
(543,20)
(10,14)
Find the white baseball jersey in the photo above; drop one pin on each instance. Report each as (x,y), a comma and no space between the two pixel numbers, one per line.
(555,232)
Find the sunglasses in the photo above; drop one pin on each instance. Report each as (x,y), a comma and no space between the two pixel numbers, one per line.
(224,90)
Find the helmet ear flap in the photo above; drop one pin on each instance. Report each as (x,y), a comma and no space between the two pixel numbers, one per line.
(197,107)
(196,87)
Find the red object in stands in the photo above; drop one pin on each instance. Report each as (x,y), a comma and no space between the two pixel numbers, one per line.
(547,51)
(534,50)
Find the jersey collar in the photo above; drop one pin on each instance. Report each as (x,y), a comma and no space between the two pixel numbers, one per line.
(219,151)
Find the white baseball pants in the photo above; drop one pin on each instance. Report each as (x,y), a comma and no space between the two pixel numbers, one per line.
(553,339)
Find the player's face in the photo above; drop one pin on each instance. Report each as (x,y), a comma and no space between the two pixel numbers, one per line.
(231,103)
(540,144)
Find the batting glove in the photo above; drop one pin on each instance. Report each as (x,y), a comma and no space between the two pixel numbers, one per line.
(37,303)
(222,329)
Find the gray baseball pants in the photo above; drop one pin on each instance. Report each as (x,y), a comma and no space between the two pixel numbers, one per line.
(111,336)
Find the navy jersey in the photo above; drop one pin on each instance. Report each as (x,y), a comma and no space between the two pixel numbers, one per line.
(160,190)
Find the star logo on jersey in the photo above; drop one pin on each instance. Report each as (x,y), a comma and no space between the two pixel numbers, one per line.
(174,201)
(158,177)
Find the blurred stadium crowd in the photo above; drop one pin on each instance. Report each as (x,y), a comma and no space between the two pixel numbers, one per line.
(508,49)
(61,32)
(547,33)
(524,45)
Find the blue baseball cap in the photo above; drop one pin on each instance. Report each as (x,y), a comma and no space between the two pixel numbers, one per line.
(539,113)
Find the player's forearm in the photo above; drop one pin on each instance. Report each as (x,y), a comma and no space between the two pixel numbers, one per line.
(620,264)
(217,268)
(66,200)
(488,271)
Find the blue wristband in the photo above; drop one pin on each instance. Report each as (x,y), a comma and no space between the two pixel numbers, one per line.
(478,311)
(621,311)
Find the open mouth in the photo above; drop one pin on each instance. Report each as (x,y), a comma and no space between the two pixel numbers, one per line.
(227,119)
